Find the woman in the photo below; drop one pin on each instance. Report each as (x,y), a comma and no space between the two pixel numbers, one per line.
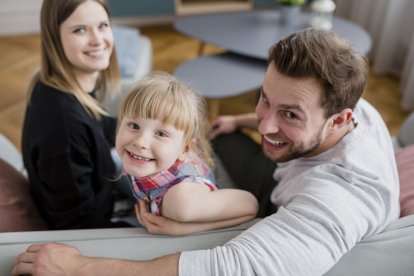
(67,136)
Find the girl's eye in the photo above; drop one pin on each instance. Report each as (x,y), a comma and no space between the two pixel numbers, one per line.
(161,134)
(133,125)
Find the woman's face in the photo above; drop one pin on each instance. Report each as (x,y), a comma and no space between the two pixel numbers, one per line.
(87,39)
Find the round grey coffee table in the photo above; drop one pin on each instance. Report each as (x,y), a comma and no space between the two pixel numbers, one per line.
(252,33)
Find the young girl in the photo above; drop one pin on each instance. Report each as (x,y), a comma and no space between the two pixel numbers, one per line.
(162,141)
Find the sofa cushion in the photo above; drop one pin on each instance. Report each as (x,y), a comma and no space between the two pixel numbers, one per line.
(127,41)
(17,209)
(405,165)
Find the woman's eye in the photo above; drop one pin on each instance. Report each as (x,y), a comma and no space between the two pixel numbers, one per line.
(104,25)
(133,125)
(79,30)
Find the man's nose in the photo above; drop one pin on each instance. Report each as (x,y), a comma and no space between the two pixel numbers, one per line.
(268,124)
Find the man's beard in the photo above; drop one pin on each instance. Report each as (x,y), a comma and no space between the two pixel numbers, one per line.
(299,152)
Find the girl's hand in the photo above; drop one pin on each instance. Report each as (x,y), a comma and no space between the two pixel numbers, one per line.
(158,225)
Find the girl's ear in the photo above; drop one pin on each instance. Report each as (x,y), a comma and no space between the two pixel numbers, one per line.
(188,147)
(191,145)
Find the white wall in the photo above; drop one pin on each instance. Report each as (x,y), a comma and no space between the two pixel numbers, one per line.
(19,16)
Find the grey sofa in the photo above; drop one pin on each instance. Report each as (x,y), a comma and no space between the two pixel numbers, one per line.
(388,253)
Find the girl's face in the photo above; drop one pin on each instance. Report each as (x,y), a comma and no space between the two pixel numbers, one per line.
(147,146)
(87,39)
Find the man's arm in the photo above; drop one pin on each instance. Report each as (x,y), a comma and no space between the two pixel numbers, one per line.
(63,259)
(228,124)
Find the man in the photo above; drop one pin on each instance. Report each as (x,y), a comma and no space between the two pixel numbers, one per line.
(337,177)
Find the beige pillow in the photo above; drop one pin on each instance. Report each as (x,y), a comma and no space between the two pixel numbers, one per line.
(17,209)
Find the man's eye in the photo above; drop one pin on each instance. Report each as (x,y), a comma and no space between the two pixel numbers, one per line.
(290,115)
(263,98)
(133,125)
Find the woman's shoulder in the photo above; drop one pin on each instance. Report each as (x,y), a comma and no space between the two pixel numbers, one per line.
(51,106)
(46,93)
(54,101)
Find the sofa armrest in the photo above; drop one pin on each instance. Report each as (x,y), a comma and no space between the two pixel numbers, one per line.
(125,243)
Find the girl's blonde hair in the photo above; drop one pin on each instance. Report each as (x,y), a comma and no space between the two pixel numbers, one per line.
(161,96)
(55,68)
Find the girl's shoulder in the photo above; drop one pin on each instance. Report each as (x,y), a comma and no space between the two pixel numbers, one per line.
(193,165)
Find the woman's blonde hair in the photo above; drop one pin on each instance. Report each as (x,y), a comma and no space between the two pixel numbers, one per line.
(55,68)
(161,96)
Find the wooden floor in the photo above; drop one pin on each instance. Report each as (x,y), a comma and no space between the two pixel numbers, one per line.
(19,57)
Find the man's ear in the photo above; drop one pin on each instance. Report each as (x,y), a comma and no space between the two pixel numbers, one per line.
(341,119)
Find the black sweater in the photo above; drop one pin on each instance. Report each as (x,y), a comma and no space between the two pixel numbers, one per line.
(67,155)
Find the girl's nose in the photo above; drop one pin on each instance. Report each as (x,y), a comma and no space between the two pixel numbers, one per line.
(141,141)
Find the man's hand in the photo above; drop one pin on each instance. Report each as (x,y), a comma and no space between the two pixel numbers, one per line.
(223,125)
(49,259)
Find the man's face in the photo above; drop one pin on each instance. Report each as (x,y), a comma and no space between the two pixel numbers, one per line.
(291,118)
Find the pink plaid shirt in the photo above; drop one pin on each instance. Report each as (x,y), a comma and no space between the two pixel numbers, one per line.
(154,187)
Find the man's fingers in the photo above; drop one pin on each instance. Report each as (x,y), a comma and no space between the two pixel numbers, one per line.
(22,269)
(24,257)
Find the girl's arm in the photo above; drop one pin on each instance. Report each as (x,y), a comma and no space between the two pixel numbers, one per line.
(194,202)
(188,208)
(161,225)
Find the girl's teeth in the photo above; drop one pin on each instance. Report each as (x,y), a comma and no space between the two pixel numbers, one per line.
(140,158)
